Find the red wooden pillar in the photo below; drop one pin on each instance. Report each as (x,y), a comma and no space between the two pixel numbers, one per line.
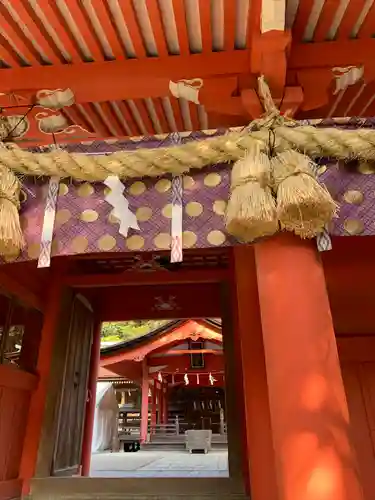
(43,366)
(91,399)
(144,403)
(164,389)
(153,405)
(259,467)
(314,456)
(160,403)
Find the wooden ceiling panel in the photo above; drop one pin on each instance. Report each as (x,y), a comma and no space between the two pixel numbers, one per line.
(121,57)
(323,20)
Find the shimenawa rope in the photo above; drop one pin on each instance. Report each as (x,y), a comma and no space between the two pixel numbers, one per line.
(255,207)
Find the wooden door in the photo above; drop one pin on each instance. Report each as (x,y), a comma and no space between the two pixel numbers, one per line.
(71,415)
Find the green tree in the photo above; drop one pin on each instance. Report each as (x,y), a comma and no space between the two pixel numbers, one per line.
(127,330)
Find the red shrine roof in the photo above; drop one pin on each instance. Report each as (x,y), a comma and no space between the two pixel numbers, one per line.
(160,346)
(119,67)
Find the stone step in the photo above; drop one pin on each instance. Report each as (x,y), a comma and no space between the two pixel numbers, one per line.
(136,489)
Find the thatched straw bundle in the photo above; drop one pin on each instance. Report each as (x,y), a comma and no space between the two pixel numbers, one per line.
(303,205)
(11,237)
(251,211)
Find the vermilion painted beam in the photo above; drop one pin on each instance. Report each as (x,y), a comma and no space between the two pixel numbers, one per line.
(179,352)
(15,288)
(269,58)
(12,377)
(332,54)
(124,79)
(131,278)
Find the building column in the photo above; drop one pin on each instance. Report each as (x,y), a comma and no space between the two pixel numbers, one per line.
(247,365)
(43,366)
(144,402)
(160,403)
(91,399)
(164,389)
(153,405)
(314,457)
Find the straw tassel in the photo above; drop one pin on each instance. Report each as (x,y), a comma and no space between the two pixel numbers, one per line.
(251,211)
(11,237)
(304,206)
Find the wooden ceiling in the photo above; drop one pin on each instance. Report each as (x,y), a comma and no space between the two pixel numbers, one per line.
(119,58)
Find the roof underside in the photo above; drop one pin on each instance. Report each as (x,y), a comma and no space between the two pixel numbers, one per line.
(134,100)
(168,327)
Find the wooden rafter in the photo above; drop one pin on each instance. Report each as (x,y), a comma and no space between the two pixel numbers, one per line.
(120,57)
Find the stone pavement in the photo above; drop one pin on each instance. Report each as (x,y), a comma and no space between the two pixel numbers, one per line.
(163,463)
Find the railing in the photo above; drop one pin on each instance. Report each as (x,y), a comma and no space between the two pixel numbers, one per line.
(16,387)
(165,433)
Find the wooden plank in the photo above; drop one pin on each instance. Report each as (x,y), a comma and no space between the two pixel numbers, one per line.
(177,114)
(37,406)
(159,110)
(14,287)
(132,278)
(112,121)
(103,81)
(349,19)
(157,27)
(128,117)
(325,20)
(37,36)
(46,13)
(194,118)
(302,18)
(104,15)
(88,111)
(332,54)
(368,26)
(146,120)
(131,22)
(16,379)
(8,54)
(77,118)
(99,112)
(229,24)
(206,27)
(359,427)
(180,352)
(181,26)
(81,19)
(16,35)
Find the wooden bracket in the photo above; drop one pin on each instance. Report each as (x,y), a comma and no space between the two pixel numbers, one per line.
(269,58)
(289,104)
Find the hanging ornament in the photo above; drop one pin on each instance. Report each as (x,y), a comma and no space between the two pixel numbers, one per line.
(186,379)
(129,392)
(211,379)
(149,392)
(197,378)
(120,205)
(160,378)
(172,379)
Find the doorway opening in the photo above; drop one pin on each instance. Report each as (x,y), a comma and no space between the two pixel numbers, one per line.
(161,395)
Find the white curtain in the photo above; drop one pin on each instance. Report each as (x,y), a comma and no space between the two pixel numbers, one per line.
(105,421)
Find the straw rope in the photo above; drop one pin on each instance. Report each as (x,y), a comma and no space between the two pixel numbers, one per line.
(337,143)
(263,196)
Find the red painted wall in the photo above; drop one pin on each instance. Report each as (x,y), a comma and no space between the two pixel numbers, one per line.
(180,301)
(16,388)
(357,358)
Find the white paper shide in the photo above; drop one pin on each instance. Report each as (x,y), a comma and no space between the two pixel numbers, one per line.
(120,205)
